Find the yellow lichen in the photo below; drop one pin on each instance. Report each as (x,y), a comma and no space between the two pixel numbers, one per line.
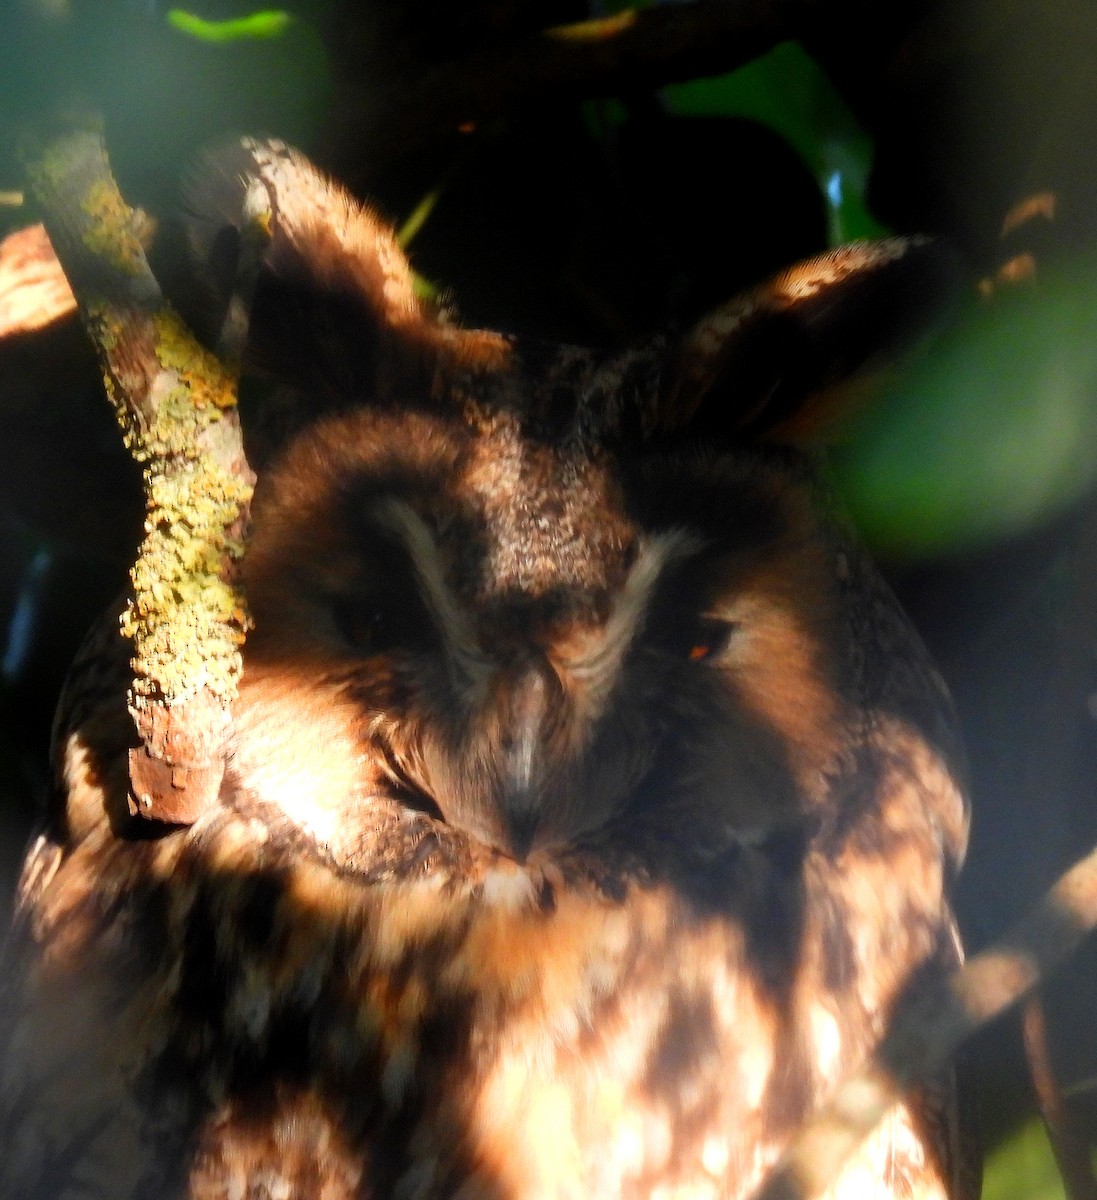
(186,621)
(202,373)
(112,233)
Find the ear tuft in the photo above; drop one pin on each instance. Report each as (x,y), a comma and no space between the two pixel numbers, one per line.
(323,289)
(773,357)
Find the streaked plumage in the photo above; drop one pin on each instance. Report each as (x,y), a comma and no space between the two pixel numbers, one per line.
(590,801)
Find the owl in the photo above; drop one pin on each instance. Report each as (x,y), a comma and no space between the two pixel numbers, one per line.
(589,805)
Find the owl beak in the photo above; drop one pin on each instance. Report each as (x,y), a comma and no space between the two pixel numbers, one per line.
(514,799)
(520,825)
(534,702)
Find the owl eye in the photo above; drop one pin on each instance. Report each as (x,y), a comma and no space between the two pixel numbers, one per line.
(710,638)
(371,625)
(696,638)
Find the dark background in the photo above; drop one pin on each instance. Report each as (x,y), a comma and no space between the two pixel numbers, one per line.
(596,188)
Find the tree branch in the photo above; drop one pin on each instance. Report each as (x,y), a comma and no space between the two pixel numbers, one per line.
(929,1027)
(33,289)
(175,403)
(1068,1143)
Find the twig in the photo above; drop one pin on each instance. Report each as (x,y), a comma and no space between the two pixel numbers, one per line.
(175,403)
(33,289)
(1067,1144)
(929,1027)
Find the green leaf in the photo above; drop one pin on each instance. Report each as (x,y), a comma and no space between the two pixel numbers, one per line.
(1022,1167)
(991,437)
(268,23)
(788,91)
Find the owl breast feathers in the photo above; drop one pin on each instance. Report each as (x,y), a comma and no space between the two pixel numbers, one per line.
(590,801)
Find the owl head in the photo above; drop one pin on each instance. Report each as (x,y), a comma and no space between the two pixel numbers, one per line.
(529,598)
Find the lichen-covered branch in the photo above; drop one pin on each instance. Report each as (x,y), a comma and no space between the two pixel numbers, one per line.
(176,404)
(928,1029)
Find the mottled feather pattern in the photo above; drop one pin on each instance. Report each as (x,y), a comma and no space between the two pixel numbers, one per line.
(590,802)
(488,1005)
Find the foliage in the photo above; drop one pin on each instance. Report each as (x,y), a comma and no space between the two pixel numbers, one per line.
(1023,1165)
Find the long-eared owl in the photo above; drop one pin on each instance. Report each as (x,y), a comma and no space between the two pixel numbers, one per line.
(589,803)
